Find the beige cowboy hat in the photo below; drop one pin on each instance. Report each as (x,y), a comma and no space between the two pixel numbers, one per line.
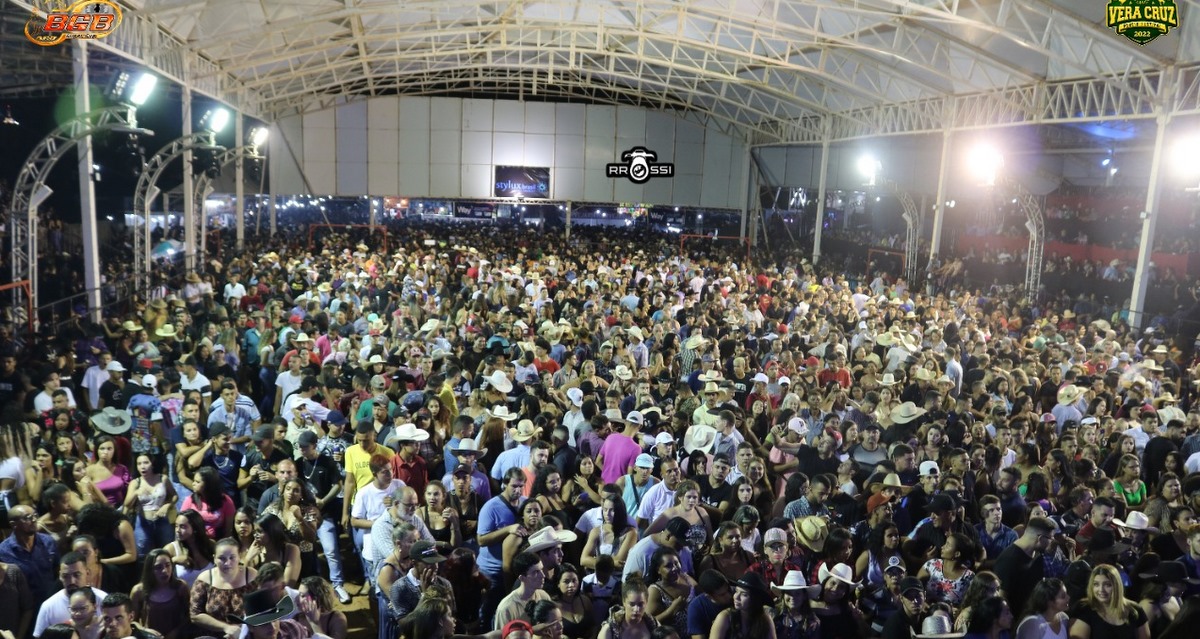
(906,412)
(888,380)
(623,373)
(711,387)
(886,339)
(699,437)
(944,379)
(811,531)
(410,433)
(166,330)
(430,325)
(548,538)
(891,480)
(131,326)
(525,431)
(193,278)
(1102,325)
(1165,398)
(794,581)
(1135,521)
(694,342)
(1069,394)
(925,375)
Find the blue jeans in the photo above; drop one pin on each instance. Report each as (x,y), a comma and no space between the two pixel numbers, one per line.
(327,534)
(149,535)
(368,565)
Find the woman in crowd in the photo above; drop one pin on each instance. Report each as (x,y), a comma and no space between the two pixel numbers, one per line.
(1106,613)
(193,550)
(442,521)
(1046,612)
(749,616)
(630,620)
(687,506)
(985,584)
(115,543)
(531,521)
(160,599)
(216,597)
(573,605)
(670,589)
(948,576)
(271,545)
(883,544)
(727,555)
(211,502)
(613,537)
(152,497)
(317,605)
(83,606)
(297,511)
(990,619)
(1128,481)
(106,474)
(793,617)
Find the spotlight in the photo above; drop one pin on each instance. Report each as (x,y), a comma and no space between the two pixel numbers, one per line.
(1105,161)
(204,160)
(869,167)
(8,118)
(1184,154)
(142,89)
(215,120)
(40,195)
(984,161)
(258,136)
(119,88)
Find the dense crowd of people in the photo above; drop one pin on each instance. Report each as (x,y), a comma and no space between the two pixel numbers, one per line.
(493,432)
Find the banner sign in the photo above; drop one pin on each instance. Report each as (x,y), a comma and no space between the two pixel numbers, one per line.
(522,181)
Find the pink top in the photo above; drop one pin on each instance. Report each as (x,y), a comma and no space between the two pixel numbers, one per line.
(114,488)
(214,520)
(619,453)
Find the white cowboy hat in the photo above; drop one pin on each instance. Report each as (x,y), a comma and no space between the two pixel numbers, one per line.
(888,380)
(501,412)
(468,446)
(699,437)
(410,433)
(525,431)
(840,572)
(925,375)
(906,412)
(548,538)
(622,372)
(429,326)
(1135,521)
(112,421)
(499,381)
(937,627)
(376,359)
(794,581)
(636,332)
(694,342)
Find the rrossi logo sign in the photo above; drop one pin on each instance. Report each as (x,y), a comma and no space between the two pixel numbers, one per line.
(639,166)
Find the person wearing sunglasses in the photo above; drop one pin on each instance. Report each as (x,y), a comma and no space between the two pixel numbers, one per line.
(906,623)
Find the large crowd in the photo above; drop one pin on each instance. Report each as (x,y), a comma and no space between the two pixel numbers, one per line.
(492,431)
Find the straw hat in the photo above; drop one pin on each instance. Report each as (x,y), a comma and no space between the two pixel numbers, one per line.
(430,325)
(622,372)
(811,531)
(1069,394)
(888,380)
(131,326)
(925,375)
(891,480)
(548,538)
(112,421)
(938,627)
(525,431)
(694,342)
(193,278)
(166,330)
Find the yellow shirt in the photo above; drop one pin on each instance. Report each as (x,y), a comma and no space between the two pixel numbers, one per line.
(358,463)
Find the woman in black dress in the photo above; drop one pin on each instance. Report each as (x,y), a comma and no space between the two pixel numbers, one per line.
(441,520)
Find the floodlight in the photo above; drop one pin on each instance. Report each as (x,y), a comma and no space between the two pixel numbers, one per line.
(868,166)
(215,120)
(40,195)
(258,136)
(1105,161)
(8,118)
(1184,154)
(142,89)
(984,161)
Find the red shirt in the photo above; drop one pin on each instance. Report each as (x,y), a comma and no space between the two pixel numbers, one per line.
(414,473)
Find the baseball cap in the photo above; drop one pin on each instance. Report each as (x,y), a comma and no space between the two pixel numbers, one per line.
(941,503)
(928,468)
(775,536)
(307,438)
(911,583)
(264,433)
(217,429)
(644,461)
(425,552)
(335,417)
(514,626)
(664,438)
(894,564)
(115,366)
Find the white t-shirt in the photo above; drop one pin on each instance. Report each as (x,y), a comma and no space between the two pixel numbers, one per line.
(45,401)
(288,383)
(57,609)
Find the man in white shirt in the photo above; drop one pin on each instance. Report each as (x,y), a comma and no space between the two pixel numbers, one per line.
(661,496)
(191,378)
(234,290)
(73,573)
(94,378)
(44,400)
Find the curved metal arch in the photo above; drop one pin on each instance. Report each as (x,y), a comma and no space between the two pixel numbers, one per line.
(1037,233)
(147,189)
(203,187)
(32,178)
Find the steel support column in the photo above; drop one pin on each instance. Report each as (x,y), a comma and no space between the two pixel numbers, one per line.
(87,187)
(1141,279)
(239,198)
(816,257)
(189,190)
(568,221)
(939,203)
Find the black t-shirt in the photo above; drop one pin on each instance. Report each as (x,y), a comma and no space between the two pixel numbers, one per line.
(811,464)
(1135,618)
(1018,573)
(321,475)
(901,626)
(113,395)
(714,496)
(254,458)
(228,467)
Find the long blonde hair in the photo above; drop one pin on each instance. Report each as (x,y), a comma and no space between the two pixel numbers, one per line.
(1118,606)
